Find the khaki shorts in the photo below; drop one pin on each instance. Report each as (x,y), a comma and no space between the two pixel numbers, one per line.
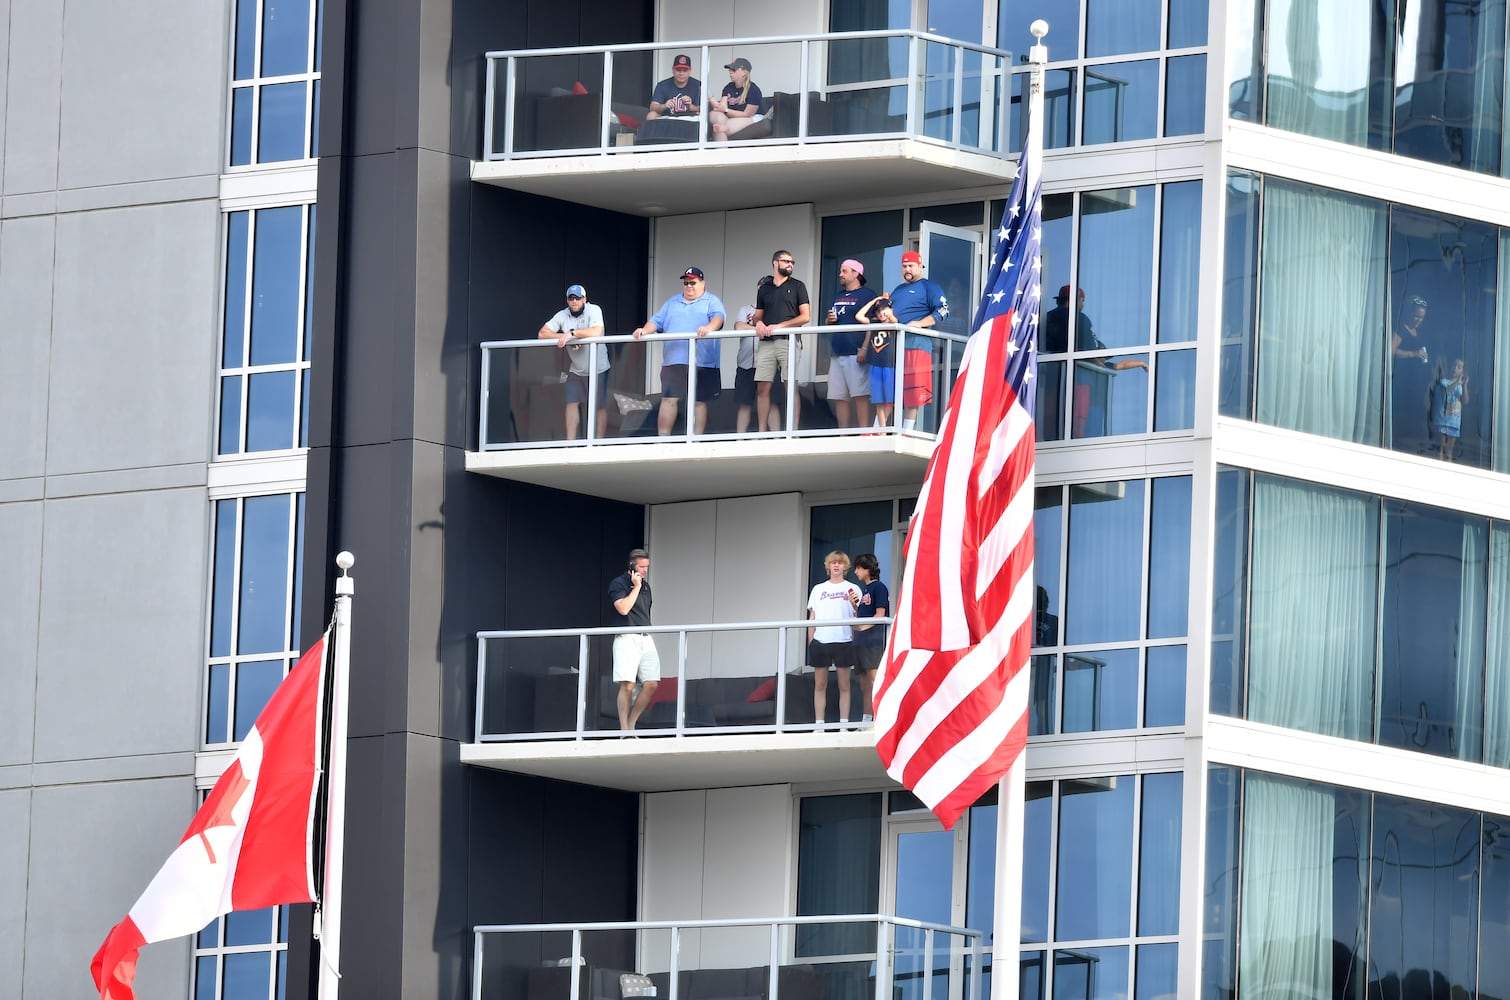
(635,655)
(770,354)
(847,378)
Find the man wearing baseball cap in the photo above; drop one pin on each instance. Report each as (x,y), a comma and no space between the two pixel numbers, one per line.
(571,327)
(917,302)
(698,311)
(679,95)
(848,378)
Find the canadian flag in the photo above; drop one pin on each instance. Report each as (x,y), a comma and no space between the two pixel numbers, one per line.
(251,843)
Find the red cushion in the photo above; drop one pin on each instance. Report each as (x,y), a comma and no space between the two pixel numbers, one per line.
(628,121)
(578,88)
(766,692)
(666,692)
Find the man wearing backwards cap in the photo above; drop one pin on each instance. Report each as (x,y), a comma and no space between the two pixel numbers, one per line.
(848,379)
(678,96)
(571,327)
(699,311)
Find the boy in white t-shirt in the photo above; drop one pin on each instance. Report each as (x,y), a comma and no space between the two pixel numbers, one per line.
(833,600)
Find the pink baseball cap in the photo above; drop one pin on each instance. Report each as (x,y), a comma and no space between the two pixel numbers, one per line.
(854,265)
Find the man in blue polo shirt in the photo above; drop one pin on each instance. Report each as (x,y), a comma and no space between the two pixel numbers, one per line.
(698,311)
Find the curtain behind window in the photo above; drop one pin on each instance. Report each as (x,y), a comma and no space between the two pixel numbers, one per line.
(1497,686)
(1314,608)
(1321,337)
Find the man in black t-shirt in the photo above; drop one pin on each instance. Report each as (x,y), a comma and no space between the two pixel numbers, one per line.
(780,303)
(634,653)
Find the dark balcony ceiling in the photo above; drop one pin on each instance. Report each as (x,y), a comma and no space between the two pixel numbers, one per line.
(664,764)
(671,471)
(746,175)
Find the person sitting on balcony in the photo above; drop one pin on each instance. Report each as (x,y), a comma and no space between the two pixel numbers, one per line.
(679,95)
(848,379)
(738,107)
(699,311)
(833,600)
(571,327)
(634,653)
(780,303)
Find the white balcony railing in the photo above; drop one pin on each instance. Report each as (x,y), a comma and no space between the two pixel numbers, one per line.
(744,677)
(525,386)
(786,958)
(863,85)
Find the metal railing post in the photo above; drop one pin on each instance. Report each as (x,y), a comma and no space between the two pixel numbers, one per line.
(959,95)
(914,87)
(681,688)
(781,640)
(508,120)
(791,384)
(581,686)
(487,110)
(576,963)
(928,961)
(802,84)
(482,686)
(774,989)
(676,963)
(690,407)
(477,965)
(482,418)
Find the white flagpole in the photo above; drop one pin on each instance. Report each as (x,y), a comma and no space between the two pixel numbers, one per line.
(1011,790)
(328,919)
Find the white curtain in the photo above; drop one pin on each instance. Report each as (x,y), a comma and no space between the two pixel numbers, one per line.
(1322,336)
(1467,743)
(1286,923)
(1314,608)
(1497,687)
(1318,68)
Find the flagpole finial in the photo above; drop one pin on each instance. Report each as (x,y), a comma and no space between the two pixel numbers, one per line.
(345,586)
(1039,53)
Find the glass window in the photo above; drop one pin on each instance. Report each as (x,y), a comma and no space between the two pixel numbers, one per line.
(1093,869)
(266,338)
(243,956)
(1404,605)
(1239,295)
(1329,69)
(854,528)
(1116,600)
(275,70)
(254,617)
(1119,27)
(838,871)
(1121,101)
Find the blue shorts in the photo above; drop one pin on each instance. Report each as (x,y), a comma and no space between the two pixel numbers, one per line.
(576,389)
(883,385)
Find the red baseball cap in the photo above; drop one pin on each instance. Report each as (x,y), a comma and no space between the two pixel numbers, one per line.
(912,257)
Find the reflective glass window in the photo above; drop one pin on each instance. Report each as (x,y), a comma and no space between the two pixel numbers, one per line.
(838,870)
(1239,295)
(1104,588)
(1094,875)
(1119,27)
(1164,695)
(1330,69)
(243,956)
(1159,854)
(275,65)
(1100,690)
(1179,262)
(1185,95)
(1449,82)
(1121,101)
(1116,262)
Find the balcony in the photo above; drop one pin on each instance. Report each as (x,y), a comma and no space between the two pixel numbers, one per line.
(790,958)
(733,708)
(523,423)
(887,113)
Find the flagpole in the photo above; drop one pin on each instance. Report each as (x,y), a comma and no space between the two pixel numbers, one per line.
(1011,791)
(328,916)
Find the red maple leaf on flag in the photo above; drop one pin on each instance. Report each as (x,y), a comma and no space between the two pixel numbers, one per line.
(217,807)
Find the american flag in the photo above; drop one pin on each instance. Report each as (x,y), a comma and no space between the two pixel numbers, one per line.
(952,692)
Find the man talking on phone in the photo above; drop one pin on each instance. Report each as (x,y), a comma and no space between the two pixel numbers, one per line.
(634,653)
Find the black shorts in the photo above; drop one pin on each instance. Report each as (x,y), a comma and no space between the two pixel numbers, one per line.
(822,655)
(868,657)
(674,383)
(744,386)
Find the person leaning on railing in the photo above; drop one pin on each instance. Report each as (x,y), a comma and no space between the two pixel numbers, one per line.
(570,328)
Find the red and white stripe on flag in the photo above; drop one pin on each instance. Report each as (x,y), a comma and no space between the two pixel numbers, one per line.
(952,695)
(250,844)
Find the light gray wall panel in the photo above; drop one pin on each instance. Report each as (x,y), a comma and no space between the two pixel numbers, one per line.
(94,848)
(122,625)
(15,827)
(134,338)
(32,95)
(4,68)
(143,90)
(26,303)
(20,585)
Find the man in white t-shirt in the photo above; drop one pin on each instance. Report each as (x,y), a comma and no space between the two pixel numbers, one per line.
(833,600)
(571,327)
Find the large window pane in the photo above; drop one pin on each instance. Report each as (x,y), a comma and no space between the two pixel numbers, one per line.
(1119,27)
(1105,583)
(1494,921)
(1330,69)
(1100,690)
(276,281)
(1239,295)
(1121,101)
(1449,82)
(852,528)
(1090,973)
(281,125)
(1169,558)
(1185,96)
(1095,859)
(1321,330)
(1187,23)
(1037,828)
(285,37)
(1159,855)
(1063,16)
(1180,262)
(1229,591)
(1164,690)
(263,594)
(1048,534)
(838,871)
(1432,649)
(1116,254)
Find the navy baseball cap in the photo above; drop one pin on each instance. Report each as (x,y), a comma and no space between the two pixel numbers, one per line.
(693,272)
(681,62)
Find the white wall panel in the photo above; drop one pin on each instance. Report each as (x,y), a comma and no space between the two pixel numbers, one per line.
(15,821)
(26,248)
(32,95)
(20,590)
(672,871)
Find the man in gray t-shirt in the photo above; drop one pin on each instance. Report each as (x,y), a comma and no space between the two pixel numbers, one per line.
(571,327)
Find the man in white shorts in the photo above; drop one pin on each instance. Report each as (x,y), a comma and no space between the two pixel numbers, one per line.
(634,654)
(848,379)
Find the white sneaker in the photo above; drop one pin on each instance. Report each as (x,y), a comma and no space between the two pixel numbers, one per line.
(867,718)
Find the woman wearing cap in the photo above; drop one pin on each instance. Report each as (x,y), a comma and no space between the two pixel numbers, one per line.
(738,107)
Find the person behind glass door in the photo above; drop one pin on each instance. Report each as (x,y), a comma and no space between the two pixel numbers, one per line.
(678,95)
(848,378)
(1410,379)
(873,601)
(1054,337)
(571,327)
(634,653)
(780,303)
(1447,409)
(738,107)
(699,311)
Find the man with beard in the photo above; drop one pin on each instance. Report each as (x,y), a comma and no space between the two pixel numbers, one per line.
(780,303)
(571,328)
